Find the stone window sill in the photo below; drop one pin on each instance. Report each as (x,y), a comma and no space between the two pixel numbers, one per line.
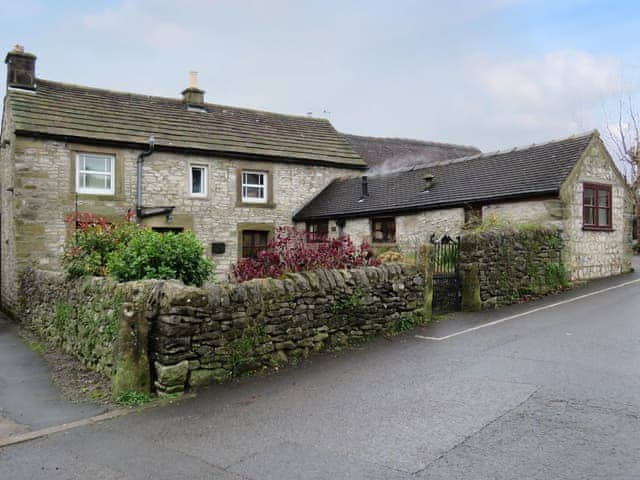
(255,205)
(587,228)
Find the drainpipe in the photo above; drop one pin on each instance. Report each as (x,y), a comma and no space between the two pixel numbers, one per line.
(139,164)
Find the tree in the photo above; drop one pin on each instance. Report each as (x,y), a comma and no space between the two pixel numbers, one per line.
(625,138)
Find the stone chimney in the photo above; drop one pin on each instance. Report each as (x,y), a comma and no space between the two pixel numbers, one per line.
(192,96)
(21,69)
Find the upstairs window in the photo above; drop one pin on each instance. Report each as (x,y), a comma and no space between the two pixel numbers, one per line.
(95,174)
(596,207)
(254,187)
(198,181)
(318,231)
(383,230)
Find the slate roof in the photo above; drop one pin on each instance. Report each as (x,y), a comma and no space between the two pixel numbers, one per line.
(519,173)
(385,155)
(77,112)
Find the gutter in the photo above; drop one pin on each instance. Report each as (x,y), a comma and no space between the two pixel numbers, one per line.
(139,165)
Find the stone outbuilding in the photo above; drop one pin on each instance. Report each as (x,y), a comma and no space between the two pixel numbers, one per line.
(571,183)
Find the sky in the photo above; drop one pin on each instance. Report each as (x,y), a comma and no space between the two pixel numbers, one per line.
(493,73)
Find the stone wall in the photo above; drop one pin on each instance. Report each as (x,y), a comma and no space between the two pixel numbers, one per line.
(593,254)
(544,211)
(81,316)
(411,230)
(8,260)
(511,264)
(205,335)
(38,192)
(192,336)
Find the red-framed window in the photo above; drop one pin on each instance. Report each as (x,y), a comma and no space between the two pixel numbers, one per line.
(596,207)
(318,231)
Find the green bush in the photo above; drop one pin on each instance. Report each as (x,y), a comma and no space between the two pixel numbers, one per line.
(90,242)
(150,254)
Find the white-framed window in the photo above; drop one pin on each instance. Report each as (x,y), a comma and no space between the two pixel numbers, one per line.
(198,180)
(254,187)
(95,173)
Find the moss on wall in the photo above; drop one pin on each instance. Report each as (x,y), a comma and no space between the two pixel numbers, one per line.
(511,264)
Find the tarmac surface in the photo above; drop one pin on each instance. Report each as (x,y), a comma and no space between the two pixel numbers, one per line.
(552,394)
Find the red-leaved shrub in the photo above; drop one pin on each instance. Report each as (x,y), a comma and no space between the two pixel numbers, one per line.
(292,250)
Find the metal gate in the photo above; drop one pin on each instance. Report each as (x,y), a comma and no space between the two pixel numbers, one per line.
(446,284)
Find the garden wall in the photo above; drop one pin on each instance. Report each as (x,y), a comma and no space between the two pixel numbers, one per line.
(79,315)
(179,336)
(205,335)
(501,267)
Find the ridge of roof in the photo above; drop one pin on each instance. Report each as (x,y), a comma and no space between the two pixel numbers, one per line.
(175,100)
(521,148)
(415,141)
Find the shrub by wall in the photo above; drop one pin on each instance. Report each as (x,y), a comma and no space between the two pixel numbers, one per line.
(511,264)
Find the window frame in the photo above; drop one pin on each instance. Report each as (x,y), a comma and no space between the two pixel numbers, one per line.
(205,181)
(264,186)
(253,247)
(111,173)
(595,206)
(385,236)
(315,234)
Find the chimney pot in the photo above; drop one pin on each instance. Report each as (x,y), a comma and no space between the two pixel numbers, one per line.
(21,69)
(192,96)
(365,187)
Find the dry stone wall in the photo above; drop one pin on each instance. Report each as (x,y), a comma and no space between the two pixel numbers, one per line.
(192,336)
(510,265)
(79,315)
(205,335)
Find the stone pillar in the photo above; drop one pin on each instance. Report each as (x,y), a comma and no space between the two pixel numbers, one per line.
(471,301)
(131,352)
(427,265)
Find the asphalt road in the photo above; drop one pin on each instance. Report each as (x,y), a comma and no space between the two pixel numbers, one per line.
(554,394)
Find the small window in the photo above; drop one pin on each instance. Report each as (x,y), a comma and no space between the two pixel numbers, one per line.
(198,181)
(254,187)
(596,207)
(254,241)
(383,230)
(472,215)
(318,231)
(95,174)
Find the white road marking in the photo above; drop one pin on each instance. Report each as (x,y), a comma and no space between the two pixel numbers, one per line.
(529,312)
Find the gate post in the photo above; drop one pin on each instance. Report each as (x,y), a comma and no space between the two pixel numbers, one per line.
(426,267)
(471,301)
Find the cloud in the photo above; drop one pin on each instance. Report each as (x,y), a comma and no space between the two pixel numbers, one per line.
(133,22)
(552,94)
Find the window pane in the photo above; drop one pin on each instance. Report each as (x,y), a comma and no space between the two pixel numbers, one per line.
(254,192)
(254,178)
(603,217)
(589,196)
(91,180)
(603,198)
(589,217)
(96,164)
(197,180)
(107,181)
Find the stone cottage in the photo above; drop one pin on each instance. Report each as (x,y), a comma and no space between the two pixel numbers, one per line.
(571,183)
(232,175)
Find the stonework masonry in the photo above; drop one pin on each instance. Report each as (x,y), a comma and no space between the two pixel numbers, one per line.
(42,182)
(593,254)
(202,335)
